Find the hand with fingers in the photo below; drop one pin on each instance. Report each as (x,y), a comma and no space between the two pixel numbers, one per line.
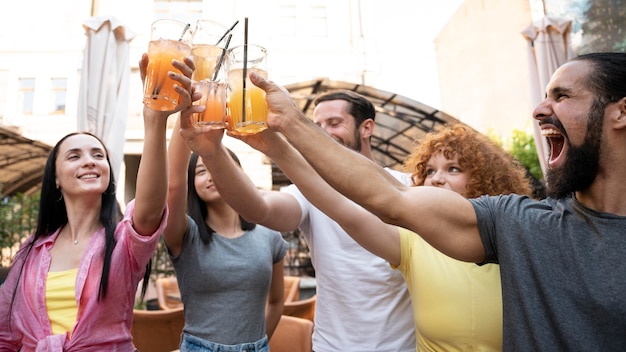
(184,86)
(204,139)
(281,108)
(264,141)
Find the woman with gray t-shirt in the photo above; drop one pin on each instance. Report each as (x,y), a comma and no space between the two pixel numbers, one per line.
(229,271)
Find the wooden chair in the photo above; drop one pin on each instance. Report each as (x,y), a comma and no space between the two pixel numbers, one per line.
(292,335)
(157,330)
(292,288)
(304,308)
(168,293)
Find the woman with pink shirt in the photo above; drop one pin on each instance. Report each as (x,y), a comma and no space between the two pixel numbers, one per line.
(73,282)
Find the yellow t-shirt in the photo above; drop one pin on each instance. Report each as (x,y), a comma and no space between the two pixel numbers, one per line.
(457,306)
(61,300)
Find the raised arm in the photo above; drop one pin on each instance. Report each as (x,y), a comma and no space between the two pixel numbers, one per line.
(444,218)
(178,156)
(364,227)
(276,210)
(151,191)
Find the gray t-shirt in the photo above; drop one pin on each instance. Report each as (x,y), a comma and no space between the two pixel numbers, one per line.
(563,269)
(224,284)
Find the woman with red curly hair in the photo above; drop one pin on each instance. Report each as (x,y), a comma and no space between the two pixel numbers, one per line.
(456,305)
(489,170)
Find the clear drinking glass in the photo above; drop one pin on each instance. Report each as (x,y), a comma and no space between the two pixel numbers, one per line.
(246,102)
(169,39)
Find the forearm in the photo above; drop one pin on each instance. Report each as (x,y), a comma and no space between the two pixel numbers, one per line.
(444,218)
(234,185)
(151,189)
(425,210)
(276,298)
(362,180)
(178,159)
(10,336)
(272,316)
(364,227)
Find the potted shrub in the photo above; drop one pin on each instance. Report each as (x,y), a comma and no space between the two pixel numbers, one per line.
(161,267)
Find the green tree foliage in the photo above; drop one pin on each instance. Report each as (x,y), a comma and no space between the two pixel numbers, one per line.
(18,219)
(522,147)
(604,26)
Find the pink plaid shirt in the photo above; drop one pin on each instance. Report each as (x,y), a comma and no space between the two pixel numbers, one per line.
(100,326)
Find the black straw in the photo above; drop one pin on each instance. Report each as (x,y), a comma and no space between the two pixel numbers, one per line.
(245,69)
(219,63)
(184,31)
(228,31)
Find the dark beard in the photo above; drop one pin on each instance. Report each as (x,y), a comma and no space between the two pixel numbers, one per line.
(581,164)
(357,142)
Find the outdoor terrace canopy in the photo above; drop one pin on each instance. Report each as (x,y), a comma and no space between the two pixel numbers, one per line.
(400,121)
(22,162)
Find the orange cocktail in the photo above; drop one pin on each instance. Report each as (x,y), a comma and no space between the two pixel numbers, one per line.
(169,40)
(214,98)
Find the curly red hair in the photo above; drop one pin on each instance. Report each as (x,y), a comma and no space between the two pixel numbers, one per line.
(492,170)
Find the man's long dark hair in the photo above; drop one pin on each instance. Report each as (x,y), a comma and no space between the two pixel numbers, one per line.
(196,207)
(607,78)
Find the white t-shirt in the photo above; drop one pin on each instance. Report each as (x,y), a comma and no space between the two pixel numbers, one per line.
(362,303)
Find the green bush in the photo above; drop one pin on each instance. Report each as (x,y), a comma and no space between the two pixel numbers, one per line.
(523,149)
(522,146)
(161,263)
(18,219)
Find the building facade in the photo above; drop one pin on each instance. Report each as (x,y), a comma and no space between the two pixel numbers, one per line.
(483,58)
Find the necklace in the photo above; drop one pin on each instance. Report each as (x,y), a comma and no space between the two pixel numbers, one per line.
(74,240)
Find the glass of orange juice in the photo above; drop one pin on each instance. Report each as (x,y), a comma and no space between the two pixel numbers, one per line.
(214,98)
(207,49)
(247,106)
(207,45)
(169,40)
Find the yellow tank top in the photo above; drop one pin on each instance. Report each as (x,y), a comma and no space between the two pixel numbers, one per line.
(61,300)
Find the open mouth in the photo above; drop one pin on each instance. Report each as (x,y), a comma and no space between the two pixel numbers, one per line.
(556,142)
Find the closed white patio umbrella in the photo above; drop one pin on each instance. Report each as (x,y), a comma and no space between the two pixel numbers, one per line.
(104,84)
(549,46)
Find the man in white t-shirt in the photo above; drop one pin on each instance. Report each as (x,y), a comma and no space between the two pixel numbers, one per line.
(362,304)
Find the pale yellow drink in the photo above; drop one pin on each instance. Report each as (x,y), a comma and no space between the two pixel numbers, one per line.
(214,98)
(253,118)
(205,57)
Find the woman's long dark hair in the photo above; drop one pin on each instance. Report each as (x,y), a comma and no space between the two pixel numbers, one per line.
(196,207)
(53,215)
